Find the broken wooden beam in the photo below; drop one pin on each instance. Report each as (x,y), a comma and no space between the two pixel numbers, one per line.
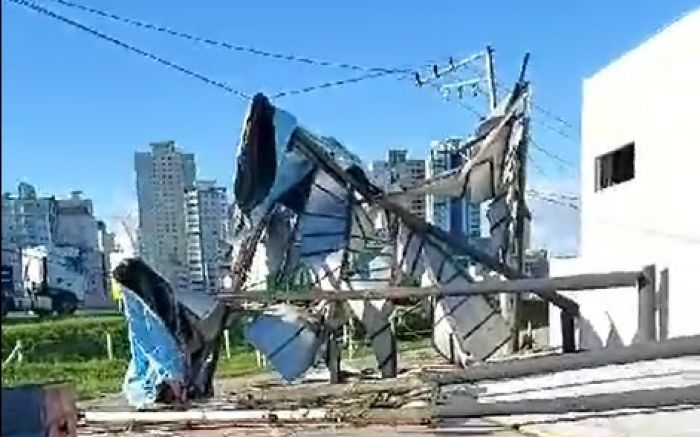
(666,397)
(580,282)
(39,410)
(673,348)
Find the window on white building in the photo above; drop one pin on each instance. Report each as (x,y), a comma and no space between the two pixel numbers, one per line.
(614,167)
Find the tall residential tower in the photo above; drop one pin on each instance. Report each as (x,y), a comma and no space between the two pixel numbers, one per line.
(163,176)
(207,209)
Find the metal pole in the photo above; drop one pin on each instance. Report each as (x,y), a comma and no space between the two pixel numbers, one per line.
(646,327)
(517,258)
(490,78)
(590,281)
(673,348)
(634,399)
(662,304)
(568,332)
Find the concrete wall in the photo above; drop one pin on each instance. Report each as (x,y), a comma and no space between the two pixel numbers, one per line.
(649,96)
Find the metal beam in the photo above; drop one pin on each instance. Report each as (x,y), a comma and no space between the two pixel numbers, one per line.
(306,145)
(676,347)
(647,305)
(571,283)
(654,398)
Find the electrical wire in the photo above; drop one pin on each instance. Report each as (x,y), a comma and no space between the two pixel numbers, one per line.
(227,45)
(544,111)
(191,73)
(378,73)
(550,154)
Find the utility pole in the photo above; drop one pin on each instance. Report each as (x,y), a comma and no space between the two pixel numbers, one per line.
(513,300)
(490,79)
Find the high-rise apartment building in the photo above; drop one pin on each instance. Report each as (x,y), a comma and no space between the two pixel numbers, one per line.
(206,226)
(454,215)
(163,176)
(401,171)
(28,220)
(62,226)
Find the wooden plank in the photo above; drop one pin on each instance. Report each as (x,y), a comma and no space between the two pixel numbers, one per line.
(675,347)
(570,283)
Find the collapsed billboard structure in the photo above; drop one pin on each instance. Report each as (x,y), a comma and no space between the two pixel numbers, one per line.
(306,200)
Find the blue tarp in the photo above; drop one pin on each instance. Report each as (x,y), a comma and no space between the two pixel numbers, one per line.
(156,357)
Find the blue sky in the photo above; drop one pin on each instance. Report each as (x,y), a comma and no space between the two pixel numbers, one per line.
(75,108)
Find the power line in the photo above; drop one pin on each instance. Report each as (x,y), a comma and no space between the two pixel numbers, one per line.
(556,195)
(227,45)
(536,166)
(550,154)
(537,107)
(221,85)
(332,84)
(552,199)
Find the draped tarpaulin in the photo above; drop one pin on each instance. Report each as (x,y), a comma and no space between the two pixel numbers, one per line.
(175,338)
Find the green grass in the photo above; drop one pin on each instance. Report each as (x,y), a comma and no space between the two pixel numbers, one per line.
(67,340)
(13,321)
(95,378)
(73,349)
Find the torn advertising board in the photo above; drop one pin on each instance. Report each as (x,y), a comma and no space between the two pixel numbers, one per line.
(174,338)
(306,199)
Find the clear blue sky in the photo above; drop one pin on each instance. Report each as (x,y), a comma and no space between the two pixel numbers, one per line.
(75,108)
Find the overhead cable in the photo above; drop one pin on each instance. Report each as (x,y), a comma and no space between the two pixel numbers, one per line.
(189,72)
(227,45)
(219,84)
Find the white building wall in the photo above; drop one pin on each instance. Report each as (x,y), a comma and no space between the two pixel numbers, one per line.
(650,97)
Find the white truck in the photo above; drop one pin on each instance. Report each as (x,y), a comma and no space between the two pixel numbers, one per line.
(50,284)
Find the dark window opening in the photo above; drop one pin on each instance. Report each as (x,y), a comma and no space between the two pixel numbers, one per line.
(615,167)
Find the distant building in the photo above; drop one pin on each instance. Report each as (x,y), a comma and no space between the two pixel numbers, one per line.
(163,176)
(77,229)
(400,171)
(75,223)
(107,246)
(454,215)
(206,226)
(62,226)
(28,220)
(639,178)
